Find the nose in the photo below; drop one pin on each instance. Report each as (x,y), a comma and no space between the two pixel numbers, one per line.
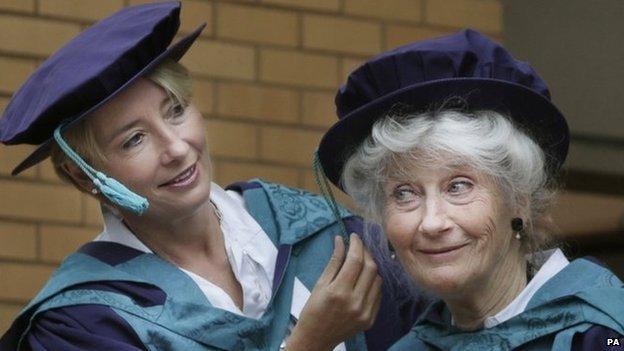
(175,148)
(434,220)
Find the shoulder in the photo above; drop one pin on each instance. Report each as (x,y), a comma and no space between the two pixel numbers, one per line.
(51,323)
(91,327)
(598,338)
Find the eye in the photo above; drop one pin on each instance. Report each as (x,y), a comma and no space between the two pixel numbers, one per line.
(176,110)
(459,187)
(404,194)
(133,141)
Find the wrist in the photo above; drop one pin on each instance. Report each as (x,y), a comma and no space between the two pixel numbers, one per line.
(298,341)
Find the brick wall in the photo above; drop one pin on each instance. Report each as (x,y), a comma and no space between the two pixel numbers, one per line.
(265,75)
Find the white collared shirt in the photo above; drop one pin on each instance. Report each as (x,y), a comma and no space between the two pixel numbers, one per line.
(554,264)
(249,249)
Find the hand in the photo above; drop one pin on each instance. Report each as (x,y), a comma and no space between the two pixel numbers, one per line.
(344,301)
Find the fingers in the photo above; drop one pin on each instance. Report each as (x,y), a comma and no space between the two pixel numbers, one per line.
(353,263)
(335,261)
(367,275)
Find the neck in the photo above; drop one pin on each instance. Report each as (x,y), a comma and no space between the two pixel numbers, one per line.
(182,240)
(489,296)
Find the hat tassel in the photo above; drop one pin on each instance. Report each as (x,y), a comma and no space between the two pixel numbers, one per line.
(328,195)
(113,190)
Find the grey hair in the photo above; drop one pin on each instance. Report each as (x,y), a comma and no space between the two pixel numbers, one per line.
(485,141)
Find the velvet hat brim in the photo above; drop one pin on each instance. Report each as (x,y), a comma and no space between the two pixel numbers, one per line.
(369,95)
(174,52)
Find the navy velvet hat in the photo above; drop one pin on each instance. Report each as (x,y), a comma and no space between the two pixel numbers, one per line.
(90,70)
(424,75)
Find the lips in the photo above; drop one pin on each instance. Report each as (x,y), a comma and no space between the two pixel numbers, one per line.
(184,178)
(442,250)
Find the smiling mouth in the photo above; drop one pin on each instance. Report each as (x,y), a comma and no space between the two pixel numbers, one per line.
(187,176)
(440,251)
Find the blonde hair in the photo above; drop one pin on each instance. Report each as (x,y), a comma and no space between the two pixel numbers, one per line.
(169,75)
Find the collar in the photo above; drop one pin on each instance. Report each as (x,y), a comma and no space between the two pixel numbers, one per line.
(243,236)
(551,262)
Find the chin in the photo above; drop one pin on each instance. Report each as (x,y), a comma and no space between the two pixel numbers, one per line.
(184,203)
(442,281)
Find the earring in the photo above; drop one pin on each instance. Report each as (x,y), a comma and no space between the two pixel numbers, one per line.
(517,225)
(392,252)
(94,191)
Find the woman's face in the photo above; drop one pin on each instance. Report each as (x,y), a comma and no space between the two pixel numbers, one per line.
(156,147)
(449,226)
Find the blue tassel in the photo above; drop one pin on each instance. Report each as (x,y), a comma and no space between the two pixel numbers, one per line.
(118,194)
(113,190)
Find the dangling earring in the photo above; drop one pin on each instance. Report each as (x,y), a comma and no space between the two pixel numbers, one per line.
(94,191)
(517,225)
(392,252)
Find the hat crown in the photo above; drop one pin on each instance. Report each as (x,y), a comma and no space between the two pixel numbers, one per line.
(466,54)
(71,80)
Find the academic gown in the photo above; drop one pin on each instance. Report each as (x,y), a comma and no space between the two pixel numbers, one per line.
(579,308)
(119,300)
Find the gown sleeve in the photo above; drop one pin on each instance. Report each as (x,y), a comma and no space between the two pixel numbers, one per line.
(82,327)
(595,338)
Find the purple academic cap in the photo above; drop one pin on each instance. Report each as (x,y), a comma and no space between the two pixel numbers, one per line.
(428,74)
(88,71)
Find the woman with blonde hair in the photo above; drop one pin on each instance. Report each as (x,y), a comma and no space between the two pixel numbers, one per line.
(181,264)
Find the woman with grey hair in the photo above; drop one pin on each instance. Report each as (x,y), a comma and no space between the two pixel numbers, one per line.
(454,148)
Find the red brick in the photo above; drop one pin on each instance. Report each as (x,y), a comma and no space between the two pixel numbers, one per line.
(486,15)
(91,10)
(232,139)
(11,156)
(8,312)
(319,109)
(18,240)
(288,145)
(18,5)
(397,35)
(291,67)
(203,95)
(34,36)
(221,60)
(349,65)
(59,241)
(405,10)
(344,35)
(328,5)
(16,287)
(258,102)
(194,12)
(14,72)
(28,200)
(256,24)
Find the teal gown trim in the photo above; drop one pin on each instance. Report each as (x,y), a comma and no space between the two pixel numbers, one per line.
(187,320)
(582,295)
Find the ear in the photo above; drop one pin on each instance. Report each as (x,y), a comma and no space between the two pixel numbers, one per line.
(78,177)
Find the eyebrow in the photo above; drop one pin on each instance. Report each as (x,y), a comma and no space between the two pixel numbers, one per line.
(135,121)
(122,129)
